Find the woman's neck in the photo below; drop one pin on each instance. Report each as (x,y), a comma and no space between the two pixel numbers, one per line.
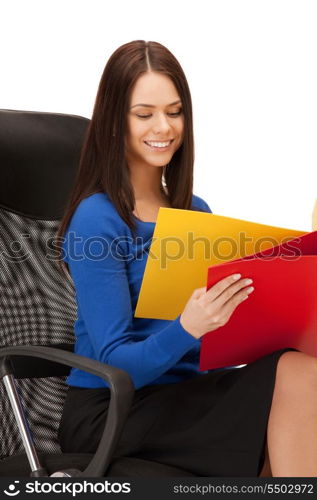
(147,183)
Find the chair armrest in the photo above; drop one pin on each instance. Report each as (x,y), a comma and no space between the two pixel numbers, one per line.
(121,388)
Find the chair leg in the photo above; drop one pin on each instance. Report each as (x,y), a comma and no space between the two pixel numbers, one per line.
(36,468)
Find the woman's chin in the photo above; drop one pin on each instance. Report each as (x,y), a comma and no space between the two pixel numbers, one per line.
(158,160)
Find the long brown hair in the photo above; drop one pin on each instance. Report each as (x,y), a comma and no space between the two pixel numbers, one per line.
(102,166)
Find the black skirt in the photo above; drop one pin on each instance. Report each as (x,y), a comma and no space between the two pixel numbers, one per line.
(210,425)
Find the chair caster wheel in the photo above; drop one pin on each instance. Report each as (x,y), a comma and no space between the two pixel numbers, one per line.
(66,473)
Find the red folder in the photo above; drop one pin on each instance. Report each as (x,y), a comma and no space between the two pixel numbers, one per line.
(280,312)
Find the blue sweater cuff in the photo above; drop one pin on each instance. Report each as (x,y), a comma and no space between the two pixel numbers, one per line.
(190,339)
(176,340)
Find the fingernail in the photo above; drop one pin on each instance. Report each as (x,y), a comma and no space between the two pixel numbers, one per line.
(236,276)
(250,289)
(248,282)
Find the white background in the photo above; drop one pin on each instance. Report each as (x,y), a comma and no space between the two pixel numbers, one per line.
(251,67)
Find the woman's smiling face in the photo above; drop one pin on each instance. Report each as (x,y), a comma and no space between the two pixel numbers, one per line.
(155,116)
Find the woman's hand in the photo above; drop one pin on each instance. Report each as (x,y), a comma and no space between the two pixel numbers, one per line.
(207,311)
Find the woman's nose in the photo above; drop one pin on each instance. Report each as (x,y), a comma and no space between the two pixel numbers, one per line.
(161,124)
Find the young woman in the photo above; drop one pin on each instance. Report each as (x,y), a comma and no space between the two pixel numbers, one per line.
(260,419)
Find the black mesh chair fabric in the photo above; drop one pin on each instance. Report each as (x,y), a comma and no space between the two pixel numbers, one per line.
(37,306)
(39,155)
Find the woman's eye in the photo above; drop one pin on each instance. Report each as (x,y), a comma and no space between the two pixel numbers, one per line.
(176,114)
(170,114)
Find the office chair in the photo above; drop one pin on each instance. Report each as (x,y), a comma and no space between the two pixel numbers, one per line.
(39,156)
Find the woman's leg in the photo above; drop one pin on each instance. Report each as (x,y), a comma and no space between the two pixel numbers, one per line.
(292,425)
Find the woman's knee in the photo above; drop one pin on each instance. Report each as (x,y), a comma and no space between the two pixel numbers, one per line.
(296,370)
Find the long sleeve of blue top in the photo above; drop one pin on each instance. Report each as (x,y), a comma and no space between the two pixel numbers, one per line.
(107,269)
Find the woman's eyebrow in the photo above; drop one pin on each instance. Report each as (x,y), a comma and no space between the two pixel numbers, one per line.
(152,106)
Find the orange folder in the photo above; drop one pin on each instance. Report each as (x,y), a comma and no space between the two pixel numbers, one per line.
(185,244)
(280,312)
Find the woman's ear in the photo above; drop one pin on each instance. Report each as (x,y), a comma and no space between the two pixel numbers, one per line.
(314,217)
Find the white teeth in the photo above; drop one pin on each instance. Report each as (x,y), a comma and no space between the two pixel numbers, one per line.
(158,144)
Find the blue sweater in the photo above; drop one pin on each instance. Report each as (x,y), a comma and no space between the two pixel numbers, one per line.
(107,269)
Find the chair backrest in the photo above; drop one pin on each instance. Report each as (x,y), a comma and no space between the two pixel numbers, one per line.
(39,157)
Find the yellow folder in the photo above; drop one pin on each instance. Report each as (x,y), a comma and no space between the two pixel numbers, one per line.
(184,244)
